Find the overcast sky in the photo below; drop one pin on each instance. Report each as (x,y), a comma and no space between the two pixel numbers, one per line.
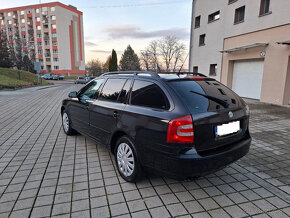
(114,24)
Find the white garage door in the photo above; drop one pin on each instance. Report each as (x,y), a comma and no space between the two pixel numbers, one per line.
(247,78)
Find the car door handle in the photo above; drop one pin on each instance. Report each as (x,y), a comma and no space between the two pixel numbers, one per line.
(116,114)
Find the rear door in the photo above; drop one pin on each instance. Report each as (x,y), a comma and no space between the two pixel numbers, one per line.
(209,115)
(106,111)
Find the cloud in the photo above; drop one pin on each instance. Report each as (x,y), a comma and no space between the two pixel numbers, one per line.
(90,44)
(105,51)
(129,31)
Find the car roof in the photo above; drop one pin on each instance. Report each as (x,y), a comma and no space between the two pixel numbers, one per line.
(155,75)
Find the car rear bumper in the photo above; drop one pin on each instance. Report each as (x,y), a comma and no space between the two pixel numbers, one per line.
(191,164)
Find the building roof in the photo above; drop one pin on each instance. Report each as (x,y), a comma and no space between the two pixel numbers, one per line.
(51,4)
(244,47)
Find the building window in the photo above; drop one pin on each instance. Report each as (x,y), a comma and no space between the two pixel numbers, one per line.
(53,26)
(265,7)
(9,14)
(9,21)
(37,18)
(38,35)
(42,67)
(232,1)
(197,22)
(37,10)
(10,37)
(240,15)
(53,17)
(22,12)
(39,44)
(54,43)
(53,35)
(24,36)
(52,9)
(195,69)
(22,28)
(213,70)
(55,59)
(38,27)
(9,29)
(22,20)
(28,11)
(40,60)
(202,40)
(56,67)
(55,51)
(214,16)
(39,51)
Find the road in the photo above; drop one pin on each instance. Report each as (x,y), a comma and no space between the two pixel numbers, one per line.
(45,173)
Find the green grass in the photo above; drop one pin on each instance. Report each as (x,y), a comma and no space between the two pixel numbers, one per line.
(9,78)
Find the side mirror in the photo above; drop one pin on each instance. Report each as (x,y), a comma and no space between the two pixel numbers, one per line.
(73,95)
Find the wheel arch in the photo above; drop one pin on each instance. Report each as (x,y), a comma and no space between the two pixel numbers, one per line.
(118,134)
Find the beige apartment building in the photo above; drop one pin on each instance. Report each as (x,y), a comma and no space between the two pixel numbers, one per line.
(51,34)
(245,44)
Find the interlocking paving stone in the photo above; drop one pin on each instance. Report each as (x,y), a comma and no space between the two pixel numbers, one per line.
(43,172)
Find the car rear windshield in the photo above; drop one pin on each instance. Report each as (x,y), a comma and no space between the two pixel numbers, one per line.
(81,77)
(204,95)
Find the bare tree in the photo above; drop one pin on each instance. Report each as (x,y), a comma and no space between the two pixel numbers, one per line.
(95,67)
(145,60)
(171,51)
(165,54)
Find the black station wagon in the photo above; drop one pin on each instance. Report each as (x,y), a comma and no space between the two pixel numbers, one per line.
(176,125)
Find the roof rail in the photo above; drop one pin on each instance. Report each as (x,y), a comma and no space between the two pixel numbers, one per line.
(153,74)
(184,73)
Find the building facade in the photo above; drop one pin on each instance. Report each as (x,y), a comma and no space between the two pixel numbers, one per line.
(245,45)
(50,33)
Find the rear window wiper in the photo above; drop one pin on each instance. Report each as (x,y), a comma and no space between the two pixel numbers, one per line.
(217,100)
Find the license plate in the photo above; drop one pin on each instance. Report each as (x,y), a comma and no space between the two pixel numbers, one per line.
(227,129)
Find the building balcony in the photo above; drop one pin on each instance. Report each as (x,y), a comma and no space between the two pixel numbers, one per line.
(46,38)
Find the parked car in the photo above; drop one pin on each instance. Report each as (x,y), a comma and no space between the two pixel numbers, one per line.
(55,77)
(89,79)
(80,80)
(61,77)
(46,76)
(176,125)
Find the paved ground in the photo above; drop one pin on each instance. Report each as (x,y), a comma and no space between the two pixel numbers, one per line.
(45,173)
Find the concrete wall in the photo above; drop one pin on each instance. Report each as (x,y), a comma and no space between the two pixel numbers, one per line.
(65,19)
(275,83)
(224,27)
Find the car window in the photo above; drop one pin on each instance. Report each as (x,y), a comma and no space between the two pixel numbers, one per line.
(91,90)
(112,89)
(148,94)
(191,93)
(124,92)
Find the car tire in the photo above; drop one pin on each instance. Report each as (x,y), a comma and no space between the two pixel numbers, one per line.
(66,124)
(127,160)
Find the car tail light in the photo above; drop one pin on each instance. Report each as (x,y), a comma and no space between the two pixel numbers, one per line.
(180,130)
